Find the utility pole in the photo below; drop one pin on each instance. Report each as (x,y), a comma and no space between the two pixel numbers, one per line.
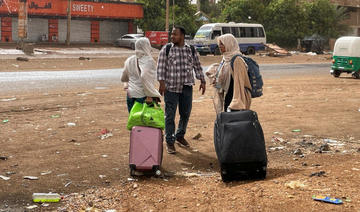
(22,21)
(68,23)
(173,13)
(167,16)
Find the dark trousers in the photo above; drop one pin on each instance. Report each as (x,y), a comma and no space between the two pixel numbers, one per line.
(172,100)
(131,101)
(229,95)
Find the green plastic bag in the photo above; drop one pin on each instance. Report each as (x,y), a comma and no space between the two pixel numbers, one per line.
(146,115)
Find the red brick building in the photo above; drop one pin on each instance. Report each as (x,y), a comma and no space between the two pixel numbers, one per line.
(93,21)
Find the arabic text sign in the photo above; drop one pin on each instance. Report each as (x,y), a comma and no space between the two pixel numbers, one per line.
(78,8)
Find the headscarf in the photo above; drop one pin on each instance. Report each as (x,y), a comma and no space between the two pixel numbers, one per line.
(224,71)
(147,66)
(231,46)
(143,53)
(142,83)
(142,48)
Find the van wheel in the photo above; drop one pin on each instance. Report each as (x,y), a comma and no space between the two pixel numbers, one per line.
(217,51)
(250,50)
(356,75)
(336,73)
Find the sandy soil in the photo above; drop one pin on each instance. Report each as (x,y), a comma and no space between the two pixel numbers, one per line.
(92,174)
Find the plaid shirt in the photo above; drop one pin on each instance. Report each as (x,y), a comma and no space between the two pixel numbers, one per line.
(177,69)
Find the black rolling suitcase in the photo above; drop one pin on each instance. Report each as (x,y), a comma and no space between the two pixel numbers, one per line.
(240,146)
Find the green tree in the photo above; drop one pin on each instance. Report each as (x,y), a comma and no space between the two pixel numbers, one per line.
(285,21)
(154,15)
(325,18)
(185,16)
(246,11)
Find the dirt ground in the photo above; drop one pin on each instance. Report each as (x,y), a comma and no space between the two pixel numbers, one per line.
(311,124)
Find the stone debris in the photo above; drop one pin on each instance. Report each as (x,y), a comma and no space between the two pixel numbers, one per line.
(318,174)
(46,173)
(278,139)
(194,174)
(8,100)
(67,184)
(30,178)
(4,178)
(31,207)
(71,124)
(197,136)
(24,59)
(276,148)
(295,184)
(3,158)
(298,152)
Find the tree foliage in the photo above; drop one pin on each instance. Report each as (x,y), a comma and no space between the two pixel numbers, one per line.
(155,14)
(244,11)
(326,19)
(285,21)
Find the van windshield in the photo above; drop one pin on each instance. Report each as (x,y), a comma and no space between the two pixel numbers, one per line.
(203,32)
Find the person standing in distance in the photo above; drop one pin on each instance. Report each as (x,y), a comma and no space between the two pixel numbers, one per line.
(176,65)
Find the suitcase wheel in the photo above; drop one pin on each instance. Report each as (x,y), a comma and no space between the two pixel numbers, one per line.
(224,176)
(158,172)
(132,170)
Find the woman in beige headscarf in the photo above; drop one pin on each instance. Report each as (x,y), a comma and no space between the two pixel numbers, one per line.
(139,75)
(233,89)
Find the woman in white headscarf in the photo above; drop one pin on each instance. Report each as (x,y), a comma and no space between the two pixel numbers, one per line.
(233,88)
(140,75)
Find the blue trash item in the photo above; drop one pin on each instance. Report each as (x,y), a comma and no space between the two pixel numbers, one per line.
(327,199)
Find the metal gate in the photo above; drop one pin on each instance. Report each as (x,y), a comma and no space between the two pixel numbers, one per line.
(14,35)
(38,30)
(80,31)
(111,30)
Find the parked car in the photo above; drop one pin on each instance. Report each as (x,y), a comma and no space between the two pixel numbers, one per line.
(128,40)
(346,57)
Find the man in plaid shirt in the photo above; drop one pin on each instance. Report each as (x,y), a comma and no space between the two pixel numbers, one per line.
(175,73)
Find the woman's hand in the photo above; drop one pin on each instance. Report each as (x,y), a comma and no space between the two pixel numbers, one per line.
(148,100)
(157,100)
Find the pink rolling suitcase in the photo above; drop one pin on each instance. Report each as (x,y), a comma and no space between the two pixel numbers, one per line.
(146,150)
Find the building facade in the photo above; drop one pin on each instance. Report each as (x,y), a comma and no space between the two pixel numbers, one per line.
(93,21)
(353,21)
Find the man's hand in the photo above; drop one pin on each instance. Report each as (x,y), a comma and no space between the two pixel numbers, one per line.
(162,87)
(202,87)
